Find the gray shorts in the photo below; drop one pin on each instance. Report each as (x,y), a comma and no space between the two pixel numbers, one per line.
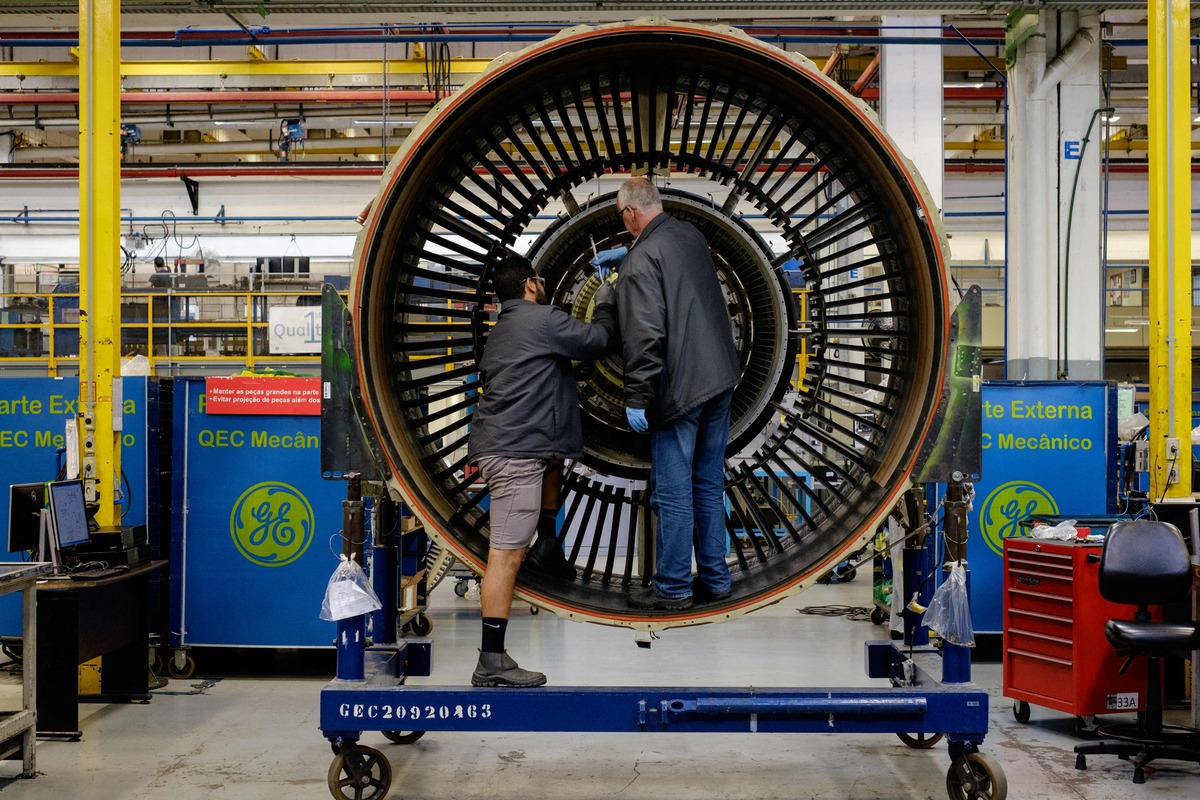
(515,485)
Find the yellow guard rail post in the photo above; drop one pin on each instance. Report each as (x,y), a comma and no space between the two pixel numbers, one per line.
(1170,252)
(99,245)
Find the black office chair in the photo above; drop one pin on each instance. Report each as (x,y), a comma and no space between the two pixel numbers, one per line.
(1145,563)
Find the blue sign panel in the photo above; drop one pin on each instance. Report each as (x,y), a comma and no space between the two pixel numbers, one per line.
(255,528)
(1048,448)
(33,416)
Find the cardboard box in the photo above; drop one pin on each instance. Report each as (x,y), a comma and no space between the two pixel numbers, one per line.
(408,591)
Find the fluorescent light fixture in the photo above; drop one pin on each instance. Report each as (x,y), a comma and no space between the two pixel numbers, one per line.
(241,123)
(1120,330)
(392,123)
(1113,118)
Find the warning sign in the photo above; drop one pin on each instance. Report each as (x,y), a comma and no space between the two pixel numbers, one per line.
(273,396)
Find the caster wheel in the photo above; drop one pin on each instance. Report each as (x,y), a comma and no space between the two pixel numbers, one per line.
(878,615)
(156,663)
(181,671)
(987,780)
(403,737)
(1021,711)
(361,773)
(847,575)
(421,625)
(920,741)
(534,610)
(1081,761)
(460,588)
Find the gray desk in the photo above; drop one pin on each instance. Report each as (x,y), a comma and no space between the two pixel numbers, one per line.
(17,734)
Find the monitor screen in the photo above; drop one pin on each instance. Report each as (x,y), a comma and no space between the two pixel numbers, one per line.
(25,504)
(68,513)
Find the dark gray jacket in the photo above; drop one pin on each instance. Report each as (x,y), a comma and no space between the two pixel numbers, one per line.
(677,339)
(530,408)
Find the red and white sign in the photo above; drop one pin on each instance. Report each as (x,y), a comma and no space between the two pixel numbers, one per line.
(276,396)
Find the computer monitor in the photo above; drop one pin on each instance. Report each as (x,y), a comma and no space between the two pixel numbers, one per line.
(68,514)
(26,501)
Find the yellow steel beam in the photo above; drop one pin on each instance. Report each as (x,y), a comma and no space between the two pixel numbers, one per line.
(1170,251)
(54,69)
(458,66)
(99,244)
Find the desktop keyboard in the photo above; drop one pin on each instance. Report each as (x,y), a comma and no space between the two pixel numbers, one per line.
(96,574)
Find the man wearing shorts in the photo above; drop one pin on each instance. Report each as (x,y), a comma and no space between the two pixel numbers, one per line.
(527,422)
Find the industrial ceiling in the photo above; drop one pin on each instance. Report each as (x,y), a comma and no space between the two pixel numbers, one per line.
(209,82)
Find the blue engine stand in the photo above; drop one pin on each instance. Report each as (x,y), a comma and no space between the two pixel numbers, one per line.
(929,695)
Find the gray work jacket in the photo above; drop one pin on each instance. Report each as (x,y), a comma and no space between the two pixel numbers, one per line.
(675,329)
(530,407)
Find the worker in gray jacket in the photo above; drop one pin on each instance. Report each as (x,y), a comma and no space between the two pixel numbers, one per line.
(681,367)
(527,422)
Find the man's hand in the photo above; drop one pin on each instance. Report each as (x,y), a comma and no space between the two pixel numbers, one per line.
(607,260)
(605,295)
(637,419)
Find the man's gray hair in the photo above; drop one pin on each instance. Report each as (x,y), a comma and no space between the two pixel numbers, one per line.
(639,193)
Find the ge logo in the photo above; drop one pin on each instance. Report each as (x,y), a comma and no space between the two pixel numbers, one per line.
(271,524)
(1007,505)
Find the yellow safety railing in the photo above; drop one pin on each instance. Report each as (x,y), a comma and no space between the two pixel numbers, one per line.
(171,328)
(802,354)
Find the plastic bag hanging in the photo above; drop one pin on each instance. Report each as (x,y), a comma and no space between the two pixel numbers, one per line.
(949,611)
(348,593)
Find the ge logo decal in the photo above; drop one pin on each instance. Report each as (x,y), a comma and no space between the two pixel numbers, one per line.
(272,524)
(1007,505)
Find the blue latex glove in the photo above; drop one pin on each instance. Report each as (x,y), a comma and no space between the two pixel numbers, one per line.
(637,419)
(607,260)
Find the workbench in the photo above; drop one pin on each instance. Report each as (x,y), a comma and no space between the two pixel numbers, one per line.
(78,620)
(17,736)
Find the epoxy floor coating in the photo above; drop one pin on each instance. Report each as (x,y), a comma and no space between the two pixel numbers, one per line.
(223,735)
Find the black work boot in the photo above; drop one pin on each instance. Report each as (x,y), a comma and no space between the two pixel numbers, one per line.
(499,669)
(545,555)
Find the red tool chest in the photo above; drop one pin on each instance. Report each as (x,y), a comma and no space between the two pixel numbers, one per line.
(1055,653)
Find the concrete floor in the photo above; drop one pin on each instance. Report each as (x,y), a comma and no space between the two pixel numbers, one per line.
(220,736)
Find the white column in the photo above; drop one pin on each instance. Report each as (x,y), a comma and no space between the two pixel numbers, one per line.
(1047,121)
(1079,102)
(910,96)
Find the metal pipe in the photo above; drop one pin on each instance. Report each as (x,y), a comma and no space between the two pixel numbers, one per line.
(351,632)
(239,39)
(357,145)
(856,707)
(272,170)
(239,97)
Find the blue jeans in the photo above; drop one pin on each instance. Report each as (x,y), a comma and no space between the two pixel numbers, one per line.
(687,495)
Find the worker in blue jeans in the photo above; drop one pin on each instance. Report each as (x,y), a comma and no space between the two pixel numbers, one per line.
(681,367)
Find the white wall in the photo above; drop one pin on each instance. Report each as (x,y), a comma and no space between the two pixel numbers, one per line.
(307,204)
